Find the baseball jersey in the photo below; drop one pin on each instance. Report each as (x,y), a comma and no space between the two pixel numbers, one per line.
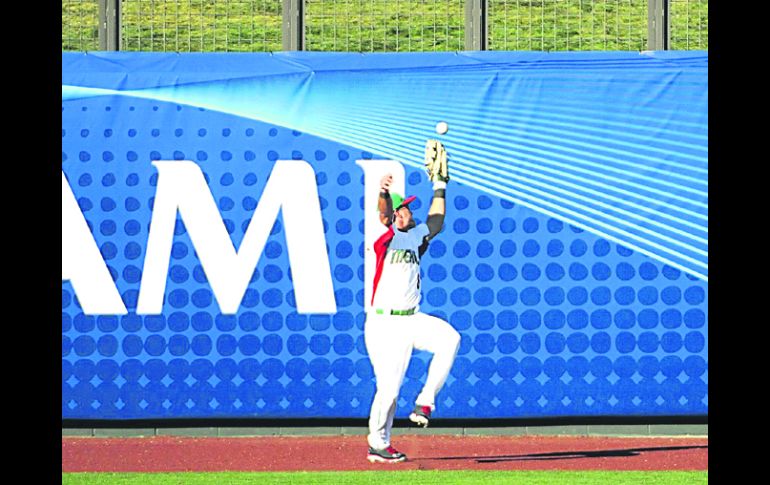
(397,278)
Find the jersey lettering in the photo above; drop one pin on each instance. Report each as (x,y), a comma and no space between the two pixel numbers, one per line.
(407,256)
(398,286)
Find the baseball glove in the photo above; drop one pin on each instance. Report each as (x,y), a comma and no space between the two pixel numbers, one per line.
(436,161)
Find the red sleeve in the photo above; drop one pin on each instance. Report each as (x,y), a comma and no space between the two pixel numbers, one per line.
(380,248)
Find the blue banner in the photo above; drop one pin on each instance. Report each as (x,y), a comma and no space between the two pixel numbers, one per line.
(218,212)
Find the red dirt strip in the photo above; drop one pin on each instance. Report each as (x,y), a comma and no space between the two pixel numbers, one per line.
(439,452)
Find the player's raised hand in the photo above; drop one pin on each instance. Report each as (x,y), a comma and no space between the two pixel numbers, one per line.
(436,162)
(385,183)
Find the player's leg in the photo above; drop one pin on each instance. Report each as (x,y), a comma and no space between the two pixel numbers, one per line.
(438,337)
(389,348)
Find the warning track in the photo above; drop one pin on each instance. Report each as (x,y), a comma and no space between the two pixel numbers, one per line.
(341,453)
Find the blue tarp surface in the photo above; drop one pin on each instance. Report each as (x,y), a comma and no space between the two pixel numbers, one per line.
(574,258)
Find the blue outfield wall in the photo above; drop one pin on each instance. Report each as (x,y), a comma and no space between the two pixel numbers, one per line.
(573,261)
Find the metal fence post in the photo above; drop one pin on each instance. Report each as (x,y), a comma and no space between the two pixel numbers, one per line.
(476,37)
(109,25)
(293,31)
(658,25)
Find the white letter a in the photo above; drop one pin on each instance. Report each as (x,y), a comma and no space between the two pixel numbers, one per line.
(81,262)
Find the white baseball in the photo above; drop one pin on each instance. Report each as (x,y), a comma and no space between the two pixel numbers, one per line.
(442,127)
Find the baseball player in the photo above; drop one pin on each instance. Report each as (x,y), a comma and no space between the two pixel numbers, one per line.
(394,325)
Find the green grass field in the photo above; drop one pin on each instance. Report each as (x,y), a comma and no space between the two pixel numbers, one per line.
(394,477)
(384,25)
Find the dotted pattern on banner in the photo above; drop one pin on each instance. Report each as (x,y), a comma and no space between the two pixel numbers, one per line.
(554,320)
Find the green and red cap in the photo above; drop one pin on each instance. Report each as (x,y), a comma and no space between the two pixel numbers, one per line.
(399,201)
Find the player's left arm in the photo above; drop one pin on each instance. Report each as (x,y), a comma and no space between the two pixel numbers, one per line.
(438,172)
(437,165)
(437,210)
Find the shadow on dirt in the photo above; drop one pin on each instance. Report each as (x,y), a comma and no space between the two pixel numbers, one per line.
(569,455)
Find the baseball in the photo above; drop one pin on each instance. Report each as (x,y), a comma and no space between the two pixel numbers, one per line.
(442,127)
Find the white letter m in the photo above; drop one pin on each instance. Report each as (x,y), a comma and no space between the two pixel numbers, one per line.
(291,188)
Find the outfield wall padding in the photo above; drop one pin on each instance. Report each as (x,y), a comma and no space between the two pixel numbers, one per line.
(573,261)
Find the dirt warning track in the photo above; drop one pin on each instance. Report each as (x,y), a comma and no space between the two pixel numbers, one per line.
(167,454)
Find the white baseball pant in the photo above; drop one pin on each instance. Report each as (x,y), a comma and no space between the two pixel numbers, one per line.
(389,341)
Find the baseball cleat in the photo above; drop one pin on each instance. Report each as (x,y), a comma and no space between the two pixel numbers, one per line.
(387,455)
(420,415)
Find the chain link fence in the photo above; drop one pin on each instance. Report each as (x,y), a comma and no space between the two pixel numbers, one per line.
(689,21)
(79,25)
(568,25)
(384,25)
(201,25)
(381,25)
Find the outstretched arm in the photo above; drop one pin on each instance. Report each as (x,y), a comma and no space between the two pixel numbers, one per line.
(437,210)
(384,203)
(438,173)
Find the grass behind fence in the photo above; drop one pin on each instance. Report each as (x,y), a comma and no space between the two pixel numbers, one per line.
(79,25)
(689,21)
(201,25)
(568,25)
(383,25)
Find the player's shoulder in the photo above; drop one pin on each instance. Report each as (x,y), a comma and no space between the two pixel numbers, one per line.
(420,230)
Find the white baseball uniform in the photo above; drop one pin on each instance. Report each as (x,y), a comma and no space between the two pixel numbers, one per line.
(390,337)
